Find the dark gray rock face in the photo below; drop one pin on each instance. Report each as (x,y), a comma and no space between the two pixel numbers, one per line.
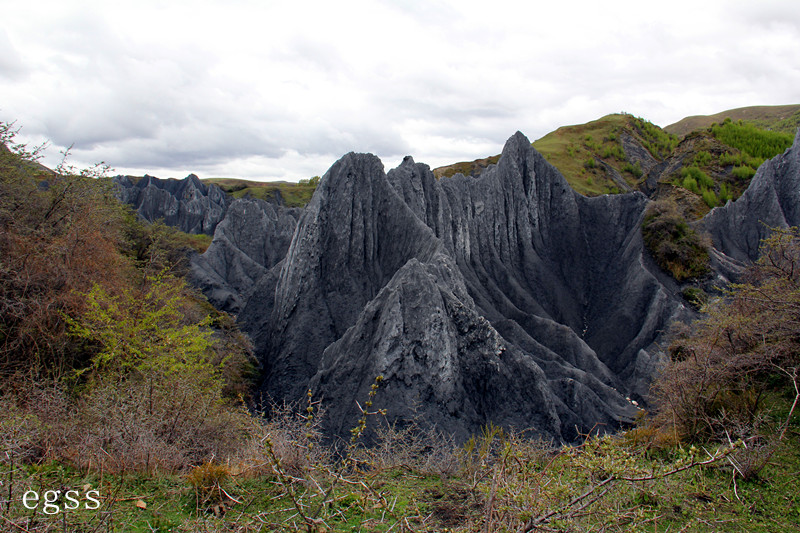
(188,204)
(772,200)
(253,238)
(506,297)
(531,249)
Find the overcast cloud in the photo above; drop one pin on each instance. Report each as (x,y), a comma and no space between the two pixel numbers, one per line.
(280,90)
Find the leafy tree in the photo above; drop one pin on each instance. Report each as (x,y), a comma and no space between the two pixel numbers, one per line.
(144,329)
(59,233)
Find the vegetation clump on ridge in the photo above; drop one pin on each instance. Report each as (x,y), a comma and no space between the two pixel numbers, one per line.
(676,247)
(118,377)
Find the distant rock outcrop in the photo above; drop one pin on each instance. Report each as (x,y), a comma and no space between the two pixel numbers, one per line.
(188,204)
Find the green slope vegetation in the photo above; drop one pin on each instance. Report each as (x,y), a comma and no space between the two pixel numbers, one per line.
(779,118)
(714,164)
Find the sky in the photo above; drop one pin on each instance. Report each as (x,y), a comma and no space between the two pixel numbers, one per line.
(279,90)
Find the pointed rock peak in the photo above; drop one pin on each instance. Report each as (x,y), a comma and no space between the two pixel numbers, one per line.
(125,181)
(194,181)
(518,144)
(352,168)
(407,161)
(146,180)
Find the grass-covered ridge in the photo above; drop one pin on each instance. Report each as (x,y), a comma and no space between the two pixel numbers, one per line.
(779,118)
(289,194)
(603,156)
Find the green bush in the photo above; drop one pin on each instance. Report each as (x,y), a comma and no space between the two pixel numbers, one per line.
(614,151)
(710,198)
(634,169)
(743,173)
(702,158)
(676,247)
(702,179)
(690,184)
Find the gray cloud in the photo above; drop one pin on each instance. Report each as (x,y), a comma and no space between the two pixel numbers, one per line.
(282,90)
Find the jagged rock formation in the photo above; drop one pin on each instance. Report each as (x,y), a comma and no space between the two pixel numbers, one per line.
(506,297)
(188,204)
(251,240)
(503,297)
(771,201)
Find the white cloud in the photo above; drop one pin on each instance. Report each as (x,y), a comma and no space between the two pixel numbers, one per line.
(281,90)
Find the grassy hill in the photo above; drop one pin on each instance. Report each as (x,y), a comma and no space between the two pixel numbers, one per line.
(780,118)
(608,155)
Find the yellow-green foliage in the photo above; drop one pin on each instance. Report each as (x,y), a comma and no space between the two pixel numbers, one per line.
(207,480)
(145,329)
(752,140)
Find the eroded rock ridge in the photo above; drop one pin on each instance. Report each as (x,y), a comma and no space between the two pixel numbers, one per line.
(503,297)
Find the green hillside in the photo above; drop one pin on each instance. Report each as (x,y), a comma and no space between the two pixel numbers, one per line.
(607,155)
(779,118)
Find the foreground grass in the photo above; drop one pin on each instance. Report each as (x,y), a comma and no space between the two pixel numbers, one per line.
(500,483)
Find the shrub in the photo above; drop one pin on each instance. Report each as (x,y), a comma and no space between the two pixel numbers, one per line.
(614,151)
(676,247)
(743,173)
(702,179)
(58,234)
(746,345)
(148,423)
(710,198)
(724,194)
(634,169)
(695,296)
(702,158)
